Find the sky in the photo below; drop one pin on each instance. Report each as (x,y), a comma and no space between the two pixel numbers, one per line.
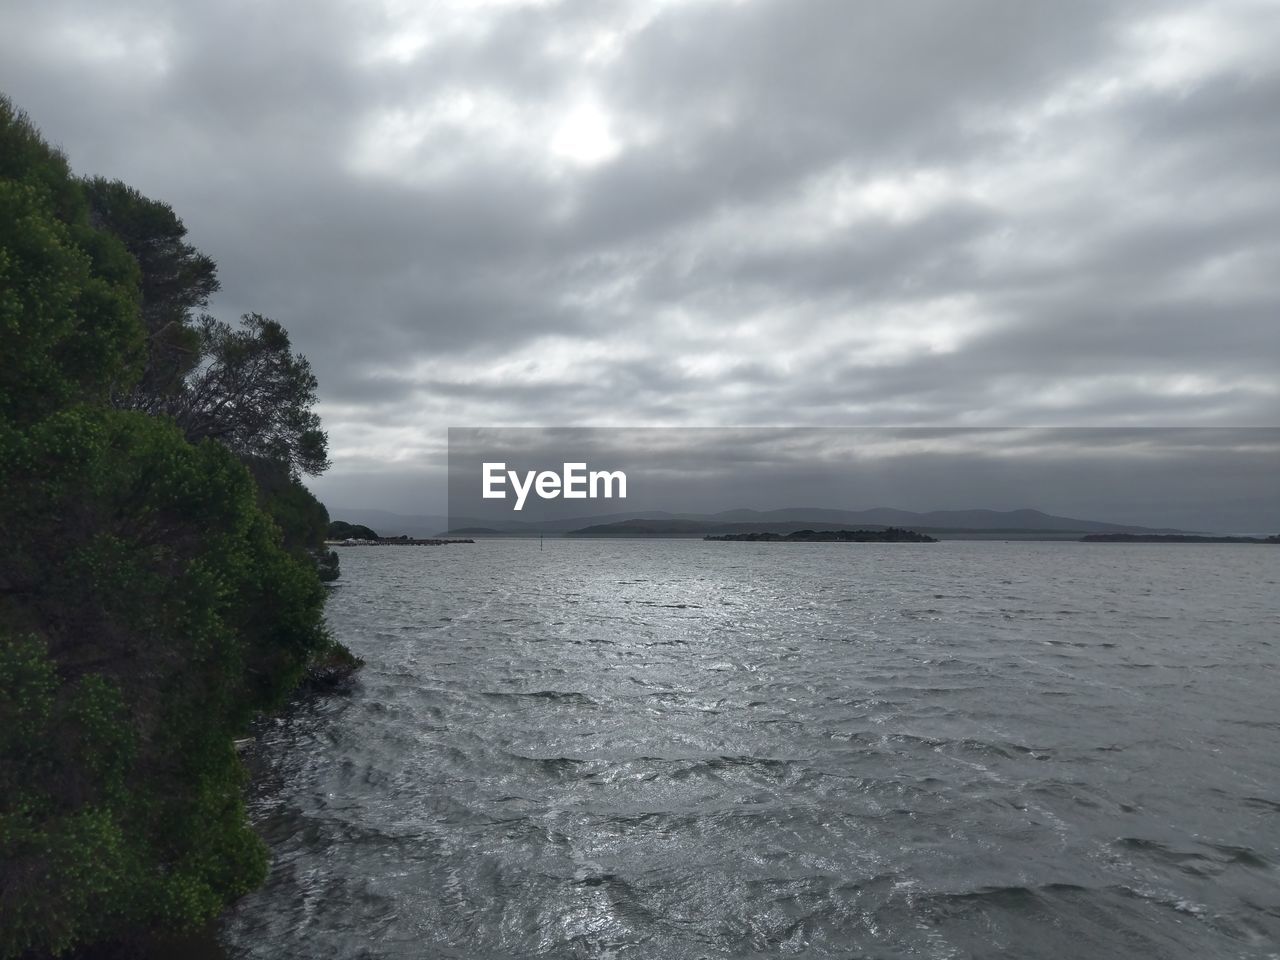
(703,212)
(1205,479)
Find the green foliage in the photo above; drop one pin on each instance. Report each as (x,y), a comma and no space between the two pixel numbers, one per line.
(68,293)
(302,519)
(68,325)
(168,590)
(61,859)
(175,280)
(25,157)
(153,596)
(243,387)
(327,567)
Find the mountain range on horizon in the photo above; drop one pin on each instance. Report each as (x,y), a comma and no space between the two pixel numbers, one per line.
(1024,523)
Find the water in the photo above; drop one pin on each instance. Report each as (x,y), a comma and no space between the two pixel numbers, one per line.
(681,749)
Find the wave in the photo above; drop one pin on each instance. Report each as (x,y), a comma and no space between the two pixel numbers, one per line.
(1211,860)
(553,696)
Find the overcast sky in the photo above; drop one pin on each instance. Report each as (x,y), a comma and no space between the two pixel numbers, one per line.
(721,212)
(1206,479)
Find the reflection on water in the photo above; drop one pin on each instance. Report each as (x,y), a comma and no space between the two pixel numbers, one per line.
(685,749)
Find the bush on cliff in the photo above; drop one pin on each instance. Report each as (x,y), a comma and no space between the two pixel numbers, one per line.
(149,604)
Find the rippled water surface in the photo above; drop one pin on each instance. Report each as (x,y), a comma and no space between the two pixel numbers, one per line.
(681,749)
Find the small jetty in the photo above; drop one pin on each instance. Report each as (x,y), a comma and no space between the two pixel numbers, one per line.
(397,542)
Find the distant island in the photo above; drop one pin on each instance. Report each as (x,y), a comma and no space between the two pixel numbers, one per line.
(344,534)
(1023,524)
(341,530)
(975,524)
(887,535)
(1170,538)
(404,541)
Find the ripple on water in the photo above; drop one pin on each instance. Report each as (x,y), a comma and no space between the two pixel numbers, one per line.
(949,750)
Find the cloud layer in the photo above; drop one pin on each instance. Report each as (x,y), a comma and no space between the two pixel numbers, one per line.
(715,212)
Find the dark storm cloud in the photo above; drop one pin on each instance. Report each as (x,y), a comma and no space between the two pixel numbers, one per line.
(704,212)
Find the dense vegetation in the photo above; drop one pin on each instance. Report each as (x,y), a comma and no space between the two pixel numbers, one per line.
(160,560)
(341,530)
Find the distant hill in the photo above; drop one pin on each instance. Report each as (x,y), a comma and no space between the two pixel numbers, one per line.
(430,525)
(887,535)
(945,524)
(1023,519)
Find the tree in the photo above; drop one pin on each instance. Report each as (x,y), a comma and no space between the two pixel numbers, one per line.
(302,519)
(254,395)
(242,388)
(149,605)
(149,611)
(175,280)
(68,301)
(26,157)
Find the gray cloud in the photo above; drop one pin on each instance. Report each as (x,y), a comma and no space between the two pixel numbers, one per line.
(704,212)
(1202,478)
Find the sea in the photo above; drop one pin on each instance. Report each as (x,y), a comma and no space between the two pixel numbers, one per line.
(685,749)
